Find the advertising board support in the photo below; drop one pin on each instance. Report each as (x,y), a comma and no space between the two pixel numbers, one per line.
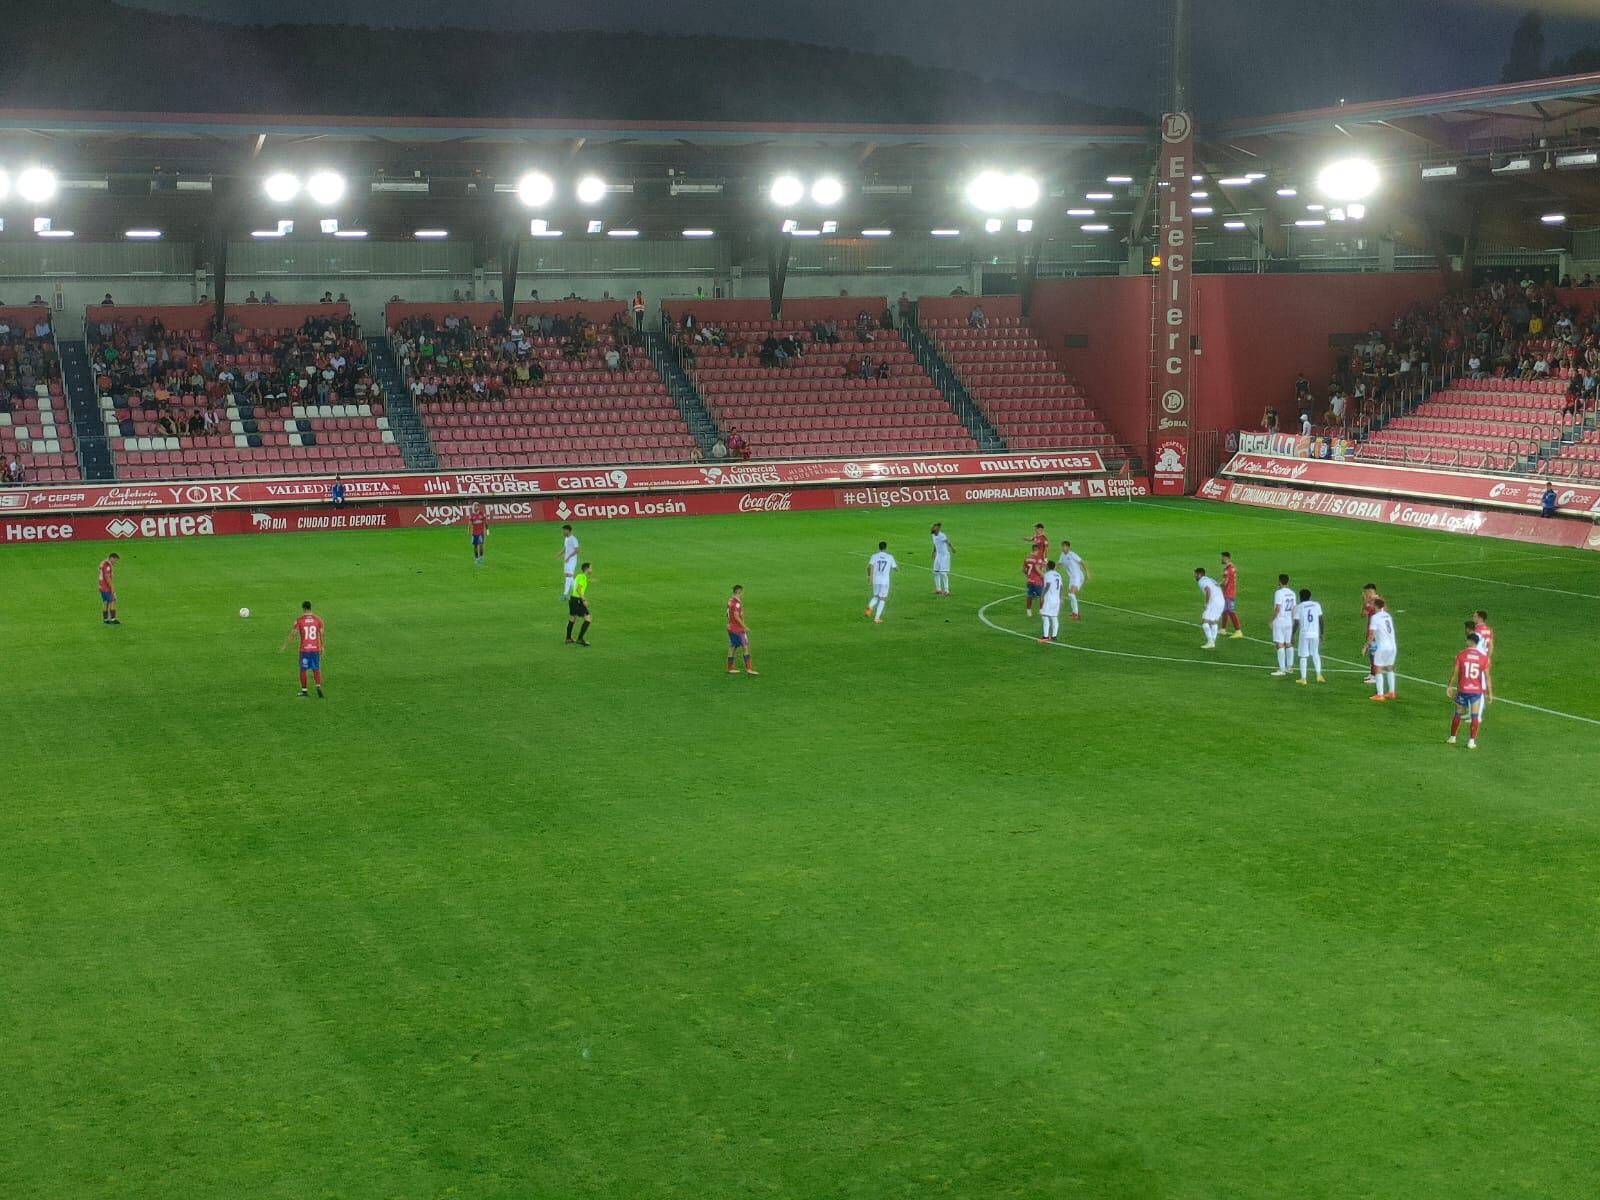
(1171,404)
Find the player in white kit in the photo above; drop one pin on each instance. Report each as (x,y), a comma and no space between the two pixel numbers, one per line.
(1308,616)
(569,561)
(1050,603)
(1077,575)
(1283,606)
(880,568)
(1383,648)
(941,561)
(1211,614)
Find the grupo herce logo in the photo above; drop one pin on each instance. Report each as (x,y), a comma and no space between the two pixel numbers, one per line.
(563,511)
(122,527)
(1172,401)
(1175,127)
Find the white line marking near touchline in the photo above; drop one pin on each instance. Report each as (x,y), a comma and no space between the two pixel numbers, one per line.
(1527,587)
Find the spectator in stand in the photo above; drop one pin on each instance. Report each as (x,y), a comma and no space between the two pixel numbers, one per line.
(719,450)
(886,318)
(695,454)
(1336,407)
(1475,367)
(15,473)
(39,299)
(903,306)
(327,298)
(1305,422)
(866,367)
(737,446)
(852,367)
(1269,419)
(613,360)
(336,493)
(1586,281)
(769,351)
(791,348)
(108,301)
(1547,502)
(638,312)
(268,298)
(832,326)
(977,318)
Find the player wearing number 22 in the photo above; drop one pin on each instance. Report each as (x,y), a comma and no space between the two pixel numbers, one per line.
(1470,689)
(308,628)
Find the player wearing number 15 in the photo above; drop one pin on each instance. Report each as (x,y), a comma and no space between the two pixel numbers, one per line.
(308,628)
(1470,689)
(738,632)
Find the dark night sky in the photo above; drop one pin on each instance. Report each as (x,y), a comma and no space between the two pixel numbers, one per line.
(1251,56)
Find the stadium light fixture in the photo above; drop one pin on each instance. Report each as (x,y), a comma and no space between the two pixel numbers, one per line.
(1204,210)
(36,184)
(1199,195)
(1286,192)
(699,233)
(1553,218)
(993,225)
(1022,191)
(1025,225)
(1336,214)
(622,233)
(987,193)
(808,233)
(944,233)
(827,191)
(266,233)
(1096,228)
(789,226)
(55,233)
(1099,197)
(1080,212)
(1310,223)
(1578,159)
(1235,225)
(1119,178)
(326,188)
(830,227)
(787,191)
(1235,181)
(431,234)
(350,233)
(143,235)
(329,225)
(1355,211)
(536,189)
(1316,208)
(877,233)
(1518,165)
(540,228)
(1349,179)
(1441,171)
(5,183)
(1252,176)
(591,189)
(281,187)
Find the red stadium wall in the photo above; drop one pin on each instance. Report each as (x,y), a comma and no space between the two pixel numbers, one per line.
(479,312)
(198,316)
(797,310)
(1256,332)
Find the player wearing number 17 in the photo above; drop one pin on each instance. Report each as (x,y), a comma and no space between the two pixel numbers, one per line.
(308,628)
(1470,689)
(738,632)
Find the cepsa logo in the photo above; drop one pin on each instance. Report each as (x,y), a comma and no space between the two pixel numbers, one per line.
(157,527)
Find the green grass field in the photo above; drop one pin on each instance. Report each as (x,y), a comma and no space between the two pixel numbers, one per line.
(924,910)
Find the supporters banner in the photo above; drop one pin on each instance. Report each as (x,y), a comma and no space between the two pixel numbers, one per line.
(34,530)
(1518,527)
(1457,487)
(1171,409)
(600,478)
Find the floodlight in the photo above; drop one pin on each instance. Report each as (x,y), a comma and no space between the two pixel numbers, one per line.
(1096,228)
(1349,179)
(329,225)
(591,189)
(1022,191)
(536,189)
(1100,197)
(427,234)
(36,184)
(1199,195)
(1204,210)
(1025,225)
(877,233)
(5,184)
(282,187)
(325,188)
(827,191)
(1119,178)
(992,225)
(143,235)
(787,191)
(1579,158)
(1355,211)
(1080,212)
(350,233)
(989,192)
(1234,225)
(699,233)
(946,233)
(1311,223)
(55,233)
(1441,171)
(622,233)
(1553,218)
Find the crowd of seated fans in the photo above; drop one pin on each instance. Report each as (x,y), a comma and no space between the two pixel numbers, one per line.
(184,382)
(1508,328)
(455,360)
(27,359)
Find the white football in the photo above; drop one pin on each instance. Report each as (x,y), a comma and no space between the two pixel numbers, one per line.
(244,612)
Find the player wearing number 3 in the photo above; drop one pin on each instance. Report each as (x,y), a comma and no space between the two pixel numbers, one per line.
(1470,689)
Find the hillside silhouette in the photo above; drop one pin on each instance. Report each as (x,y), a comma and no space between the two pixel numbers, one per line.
(96,54)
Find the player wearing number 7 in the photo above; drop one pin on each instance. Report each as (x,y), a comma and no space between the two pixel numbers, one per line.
(308,628)
(1470,689)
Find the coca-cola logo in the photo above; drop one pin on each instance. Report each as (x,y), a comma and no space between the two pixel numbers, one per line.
(767,502)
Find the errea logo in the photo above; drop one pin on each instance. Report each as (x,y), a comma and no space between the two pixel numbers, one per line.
(123,527)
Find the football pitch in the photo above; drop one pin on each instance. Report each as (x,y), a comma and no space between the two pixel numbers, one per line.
(926,909)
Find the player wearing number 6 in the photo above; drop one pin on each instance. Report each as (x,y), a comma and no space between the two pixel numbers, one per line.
(308,628)
(1470,689)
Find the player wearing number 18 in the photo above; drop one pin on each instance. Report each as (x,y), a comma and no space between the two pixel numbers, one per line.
(1470,689)
(308,628)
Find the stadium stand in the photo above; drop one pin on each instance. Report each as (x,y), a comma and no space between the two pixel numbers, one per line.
(834,379)
(1023,392)
(1513,359)
(280,389)
(36,441)
(559,383)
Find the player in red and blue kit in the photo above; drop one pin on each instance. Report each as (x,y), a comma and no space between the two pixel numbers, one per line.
(1033,572)
(1040,544)
(738,632)
(1470,689)
(108,590)
(308,628)
(1230,595)
(478,518)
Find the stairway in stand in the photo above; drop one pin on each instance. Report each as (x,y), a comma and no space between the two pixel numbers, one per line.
(407,425)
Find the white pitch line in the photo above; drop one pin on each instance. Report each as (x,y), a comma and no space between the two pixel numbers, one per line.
(1527,587)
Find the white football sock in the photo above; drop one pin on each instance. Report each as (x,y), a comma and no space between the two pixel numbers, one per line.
(1316,662)
(1378,677)
(1074,599)
(1211,630)
(1391,680)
